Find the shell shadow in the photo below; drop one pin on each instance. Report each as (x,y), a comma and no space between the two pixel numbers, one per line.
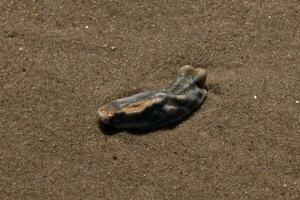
(109,130)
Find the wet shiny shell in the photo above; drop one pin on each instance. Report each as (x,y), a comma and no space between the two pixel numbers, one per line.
(152,109)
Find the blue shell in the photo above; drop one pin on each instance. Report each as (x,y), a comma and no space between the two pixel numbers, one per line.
(154,109)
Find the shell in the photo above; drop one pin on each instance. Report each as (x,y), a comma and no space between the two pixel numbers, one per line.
(154,109)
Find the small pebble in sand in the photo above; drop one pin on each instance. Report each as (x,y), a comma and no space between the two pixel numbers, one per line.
(297,102)
(113,48)
(255,97)
(21,49)
(86,27)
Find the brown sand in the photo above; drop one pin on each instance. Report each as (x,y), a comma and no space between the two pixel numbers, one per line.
(60,61)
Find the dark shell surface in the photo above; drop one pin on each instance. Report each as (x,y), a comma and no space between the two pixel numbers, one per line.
(154,109)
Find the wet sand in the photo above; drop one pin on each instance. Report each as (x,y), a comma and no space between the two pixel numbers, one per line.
(60,61)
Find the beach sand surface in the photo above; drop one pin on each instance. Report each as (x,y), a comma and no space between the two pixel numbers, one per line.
(61,60)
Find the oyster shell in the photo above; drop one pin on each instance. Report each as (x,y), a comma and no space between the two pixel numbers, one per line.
(154,109)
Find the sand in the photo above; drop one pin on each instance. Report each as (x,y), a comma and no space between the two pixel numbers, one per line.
(59,62)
